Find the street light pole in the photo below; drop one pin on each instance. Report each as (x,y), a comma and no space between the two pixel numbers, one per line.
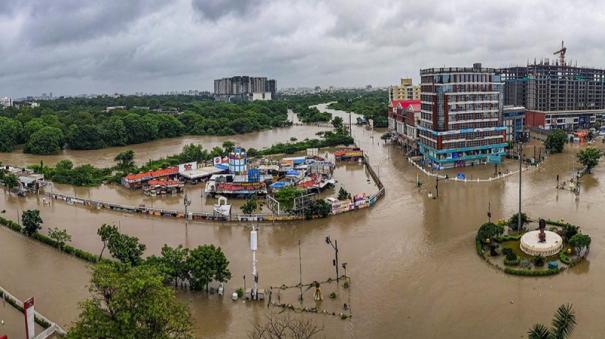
(520,176)
(335,247)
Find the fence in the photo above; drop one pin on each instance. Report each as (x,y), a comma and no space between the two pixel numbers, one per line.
(490,179)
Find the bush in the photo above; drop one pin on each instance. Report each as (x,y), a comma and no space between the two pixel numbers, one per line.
(509,237)
(513,221)
(11,224)
(530,273)
(539,260)
(512,262)
(564,258)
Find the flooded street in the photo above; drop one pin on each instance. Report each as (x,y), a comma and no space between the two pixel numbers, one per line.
(412,260)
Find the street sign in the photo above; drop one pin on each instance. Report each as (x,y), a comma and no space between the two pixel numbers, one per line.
(28,310)
(494,159)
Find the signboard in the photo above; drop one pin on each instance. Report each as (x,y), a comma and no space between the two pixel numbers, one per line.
(188,166)
(494,159)
(217,160)
(28,310)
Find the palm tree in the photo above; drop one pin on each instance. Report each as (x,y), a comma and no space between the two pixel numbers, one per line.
(563,324)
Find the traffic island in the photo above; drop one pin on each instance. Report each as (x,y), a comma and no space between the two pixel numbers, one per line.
(539,248)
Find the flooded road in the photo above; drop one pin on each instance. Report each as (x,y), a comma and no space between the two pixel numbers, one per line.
(414,270)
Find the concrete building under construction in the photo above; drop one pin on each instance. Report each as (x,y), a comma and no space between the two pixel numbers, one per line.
(568,96)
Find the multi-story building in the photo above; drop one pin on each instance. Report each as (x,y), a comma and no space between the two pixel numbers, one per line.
(405,91)
(403,116)
(245,88)
(6,102)
(563,95)
(461,116)
(513,118)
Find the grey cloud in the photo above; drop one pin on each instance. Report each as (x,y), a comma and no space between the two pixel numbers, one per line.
(216,9)
(76,46)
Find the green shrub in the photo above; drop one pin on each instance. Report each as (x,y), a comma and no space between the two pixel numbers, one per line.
(539,260)
(512,262)
(11,224)
(509,237)
(532,273)
(564,258)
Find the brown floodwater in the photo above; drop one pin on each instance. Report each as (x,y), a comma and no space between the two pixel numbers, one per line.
(165,147)
(414,269)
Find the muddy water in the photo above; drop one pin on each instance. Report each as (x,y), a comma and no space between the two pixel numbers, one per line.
(165,147)
(414,270)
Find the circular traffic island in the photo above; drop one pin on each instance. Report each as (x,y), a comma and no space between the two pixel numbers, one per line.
(534,250)
(533,244)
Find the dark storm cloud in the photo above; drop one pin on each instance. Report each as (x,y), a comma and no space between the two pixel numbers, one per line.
(86,46)
(216,9)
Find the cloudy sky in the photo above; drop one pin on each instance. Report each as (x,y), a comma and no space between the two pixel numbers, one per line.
(84,46)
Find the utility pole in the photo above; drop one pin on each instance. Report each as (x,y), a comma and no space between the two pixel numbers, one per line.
(335,247)
(520,175)
(186,203)
(489,211)
(300,272)
(253,247)
(437,186)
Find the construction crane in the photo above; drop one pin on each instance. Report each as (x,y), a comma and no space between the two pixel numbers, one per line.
(561,53)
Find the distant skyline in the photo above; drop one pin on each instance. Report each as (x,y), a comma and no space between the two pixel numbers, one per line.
(71,47)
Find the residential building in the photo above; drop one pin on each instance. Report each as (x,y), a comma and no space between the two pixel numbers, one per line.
(245,88)
(403,117)
(406,90)
(566,120)
(6,102)
(513,118)
(461,116)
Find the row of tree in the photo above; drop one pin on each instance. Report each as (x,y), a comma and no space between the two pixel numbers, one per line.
(85,124)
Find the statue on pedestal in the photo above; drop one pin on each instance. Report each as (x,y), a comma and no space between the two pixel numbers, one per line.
(541,226)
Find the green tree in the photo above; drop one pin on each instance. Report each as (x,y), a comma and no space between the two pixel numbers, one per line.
(33,126)
(343,194)
(249,206)
(589,158)
(318,207)
(10,181)
(207,263)
(48,140)
(60,236)
(126,249)
(131,302)
(174,261)
(114,132)
(31,222)
(513,222)
(125,160)
(286,195)
(489,231)
(10,131)
(193,152)
(337,122)
(563,324)
(106,232)
(581,243)
(217,152)
(556,140)
(85,137)
(228,146)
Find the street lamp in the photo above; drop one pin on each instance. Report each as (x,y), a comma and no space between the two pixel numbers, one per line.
(344,266)
(335,247)
(186,203)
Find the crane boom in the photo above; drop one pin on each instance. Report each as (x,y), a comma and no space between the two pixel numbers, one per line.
(561,53)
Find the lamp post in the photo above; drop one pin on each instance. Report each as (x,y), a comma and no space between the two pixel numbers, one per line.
(521,139)
(186,203)
(334,245)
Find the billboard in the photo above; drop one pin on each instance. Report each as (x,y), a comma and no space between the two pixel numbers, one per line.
(188,166)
